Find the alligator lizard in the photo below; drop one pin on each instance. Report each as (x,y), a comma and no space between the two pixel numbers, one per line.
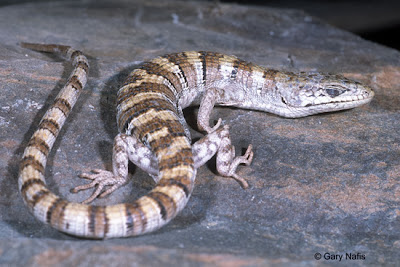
(155,137)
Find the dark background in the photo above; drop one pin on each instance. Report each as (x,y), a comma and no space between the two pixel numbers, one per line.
(375,20)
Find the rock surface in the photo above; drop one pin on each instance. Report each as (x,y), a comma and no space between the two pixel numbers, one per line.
(322,184)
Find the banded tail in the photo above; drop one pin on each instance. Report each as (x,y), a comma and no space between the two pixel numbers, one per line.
(147,213)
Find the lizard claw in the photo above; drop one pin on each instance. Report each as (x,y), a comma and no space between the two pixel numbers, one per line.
(100,179)
(245,159)
(243,183)
(205,127)
(228,169)
(216,126)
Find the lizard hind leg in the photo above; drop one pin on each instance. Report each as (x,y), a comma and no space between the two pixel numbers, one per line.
(126,147)
(219,143)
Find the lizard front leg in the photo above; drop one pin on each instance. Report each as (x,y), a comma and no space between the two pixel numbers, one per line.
(219,143)
(210,97)
(125,148)
(218,140)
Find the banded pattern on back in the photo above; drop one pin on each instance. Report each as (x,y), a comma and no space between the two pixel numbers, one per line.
(147,107)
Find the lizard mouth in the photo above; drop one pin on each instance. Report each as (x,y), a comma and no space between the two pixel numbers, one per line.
(343,103)
(336,106)
(351,101)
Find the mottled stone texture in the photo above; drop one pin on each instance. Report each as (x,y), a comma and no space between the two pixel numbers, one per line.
(327,183)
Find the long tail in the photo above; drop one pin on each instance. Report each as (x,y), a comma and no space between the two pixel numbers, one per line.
(146,214)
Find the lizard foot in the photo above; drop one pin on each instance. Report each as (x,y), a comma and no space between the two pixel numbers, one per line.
(219,143)
(245,159)
(100,179)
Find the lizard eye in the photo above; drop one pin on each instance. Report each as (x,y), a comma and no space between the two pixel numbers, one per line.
(334,92)
(283,100)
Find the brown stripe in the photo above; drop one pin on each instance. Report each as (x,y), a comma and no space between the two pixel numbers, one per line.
(172,164)
(129,92)
(75,83)
(31,161)
(166,204)
(165,141)
(156,102)
(106,222)
(179,59)
(50,125)
(173,126)
(269,74)
(50,210)
(132,115)
(37,197)
(92,218)
(190,67)
(132,78)
(29,183)
(129,222)
(244,66)
(76,53)
(150,106)
(212,63)
(55,214)
(137,216)
(169,135)
(98,221)
(175,182)
(58,216)
(204,65)
(63,105)
(181,158)
(39,144)
(83,65)
(155,69)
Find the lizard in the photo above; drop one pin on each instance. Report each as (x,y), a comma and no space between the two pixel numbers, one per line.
(153,133)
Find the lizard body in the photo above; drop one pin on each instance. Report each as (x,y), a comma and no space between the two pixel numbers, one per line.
(155,137)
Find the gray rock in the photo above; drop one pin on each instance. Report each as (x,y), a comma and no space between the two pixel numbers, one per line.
(322,184)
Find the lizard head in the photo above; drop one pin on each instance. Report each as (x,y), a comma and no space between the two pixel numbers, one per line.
(310,93)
